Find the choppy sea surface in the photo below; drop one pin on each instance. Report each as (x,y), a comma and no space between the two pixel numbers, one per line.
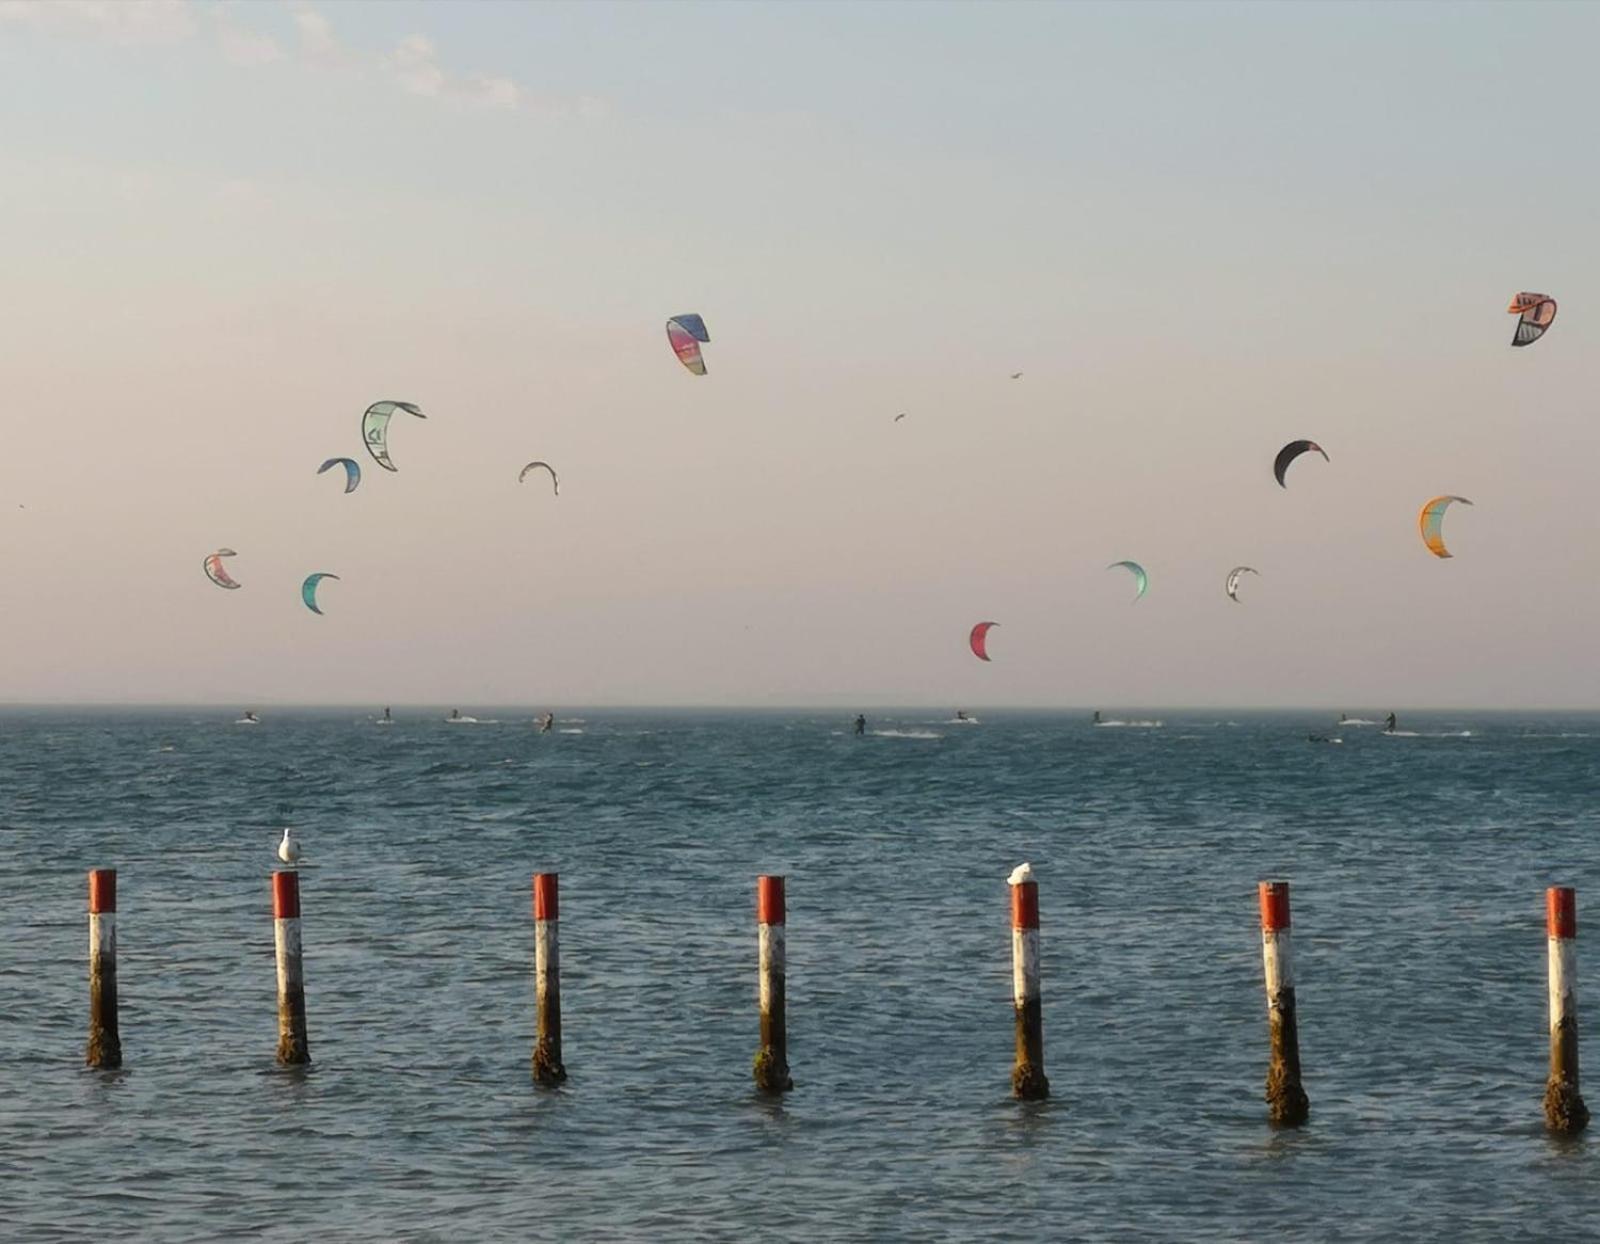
(1418,864)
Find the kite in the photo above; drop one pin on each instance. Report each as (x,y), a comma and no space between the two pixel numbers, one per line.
(308,589)
(1290,452)
(352,471)
(524,474)
(979,639)
(1139,576)
(1538,312)
(1016,375)
(215,571)
(686,332)
(1234,575)
(375,429)
(1431,519)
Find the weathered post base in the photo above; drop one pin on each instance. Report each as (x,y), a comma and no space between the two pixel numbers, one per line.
(1564,1111)
(105,1042)
(1287,1103)
(1028,1082)
(547,1068)
(293,1048)
(771,1071)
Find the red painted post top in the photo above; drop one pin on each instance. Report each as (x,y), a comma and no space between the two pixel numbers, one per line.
(286,894)
(1274,906)
(545,903)
(1025,905)
(102,890)
(1561,911)
(769,900)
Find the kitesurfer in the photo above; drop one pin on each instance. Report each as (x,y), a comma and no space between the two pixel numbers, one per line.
(386,715)
(861,723)
(545,722)
(1389,724)
(1097,717)
(961,714)
(455,714)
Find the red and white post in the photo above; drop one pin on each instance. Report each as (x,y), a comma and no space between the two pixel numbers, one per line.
(1028,1081)
(105,1041)
(547,1066)
(772,1059)
(1287,1104)
(292,1047)
(1564,1111)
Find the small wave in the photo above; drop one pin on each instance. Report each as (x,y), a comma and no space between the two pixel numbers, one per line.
(905,734)
(571,730)
(1134,725)
(1357,721)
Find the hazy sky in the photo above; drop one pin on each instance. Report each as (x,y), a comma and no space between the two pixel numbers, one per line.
(1201,231)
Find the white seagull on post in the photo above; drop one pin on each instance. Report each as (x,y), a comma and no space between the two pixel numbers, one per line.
(288,849)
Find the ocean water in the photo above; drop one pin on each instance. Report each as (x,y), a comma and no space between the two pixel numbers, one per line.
(1418,866)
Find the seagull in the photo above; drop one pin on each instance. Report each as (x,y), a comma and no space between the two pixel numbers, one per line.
(288,849)
(1016,375)
(900,416)
(1020,875)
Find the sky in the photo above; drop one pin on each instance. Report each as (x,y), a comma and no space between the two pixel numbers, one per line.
(1200,231)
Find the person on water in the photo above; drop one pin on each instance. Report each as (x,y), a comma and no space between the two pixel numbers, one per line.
(1097,717)
(861,723)
(455,714)
(961,714)
(386,714)
(1389,724)
(250,715)
(545,722)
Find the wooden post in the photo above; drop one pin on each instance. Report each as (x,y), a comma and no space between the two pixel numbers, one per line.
(292,1046)
(1564,1111)
(1028,1082)
(105,1040)
(1287,1104)
(772,1059)
(547,1065)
